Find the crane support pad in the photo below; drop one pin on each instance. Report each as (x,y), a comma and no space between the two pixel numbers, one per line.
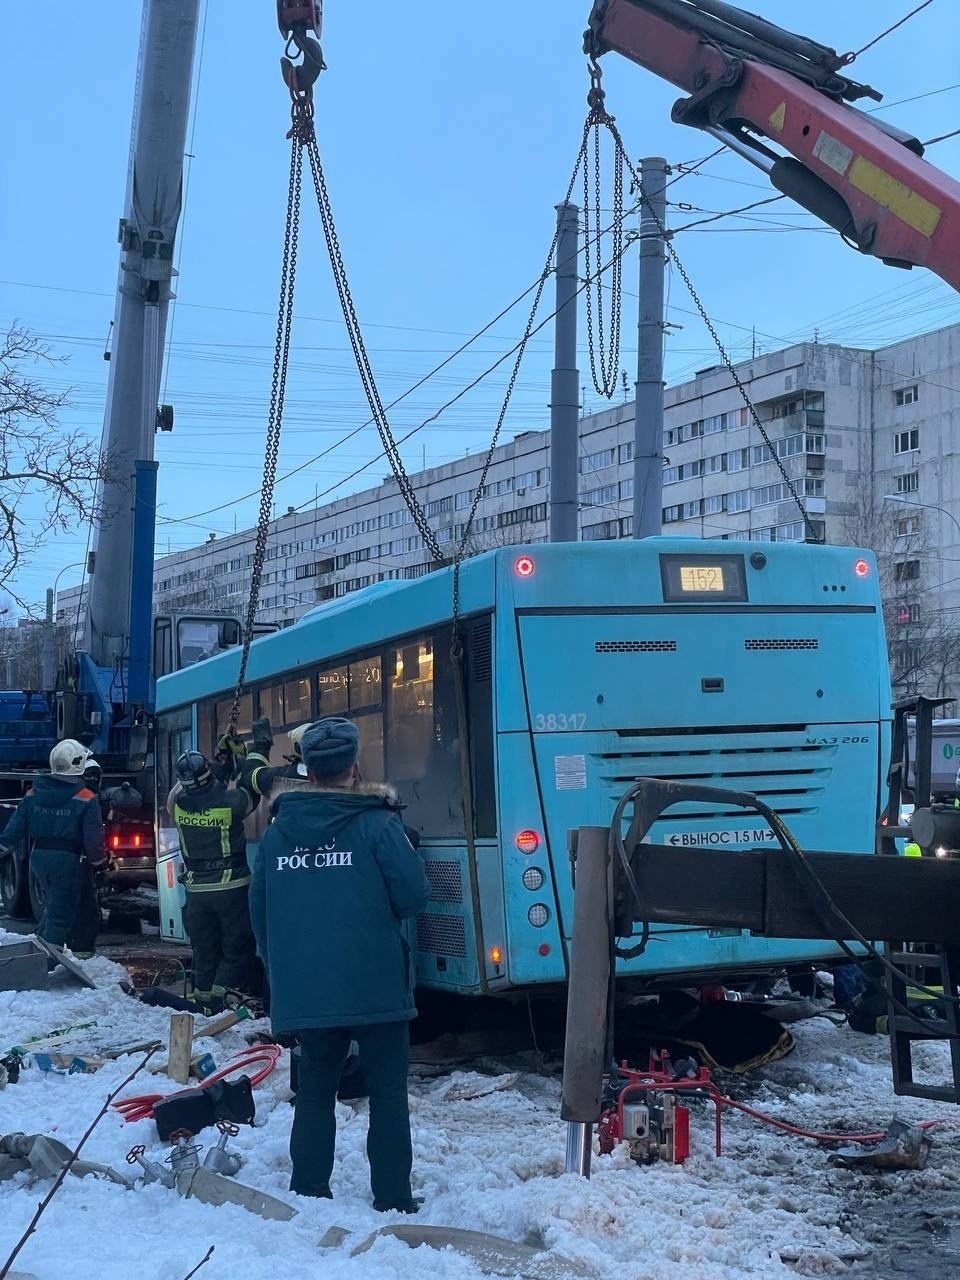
(884,896)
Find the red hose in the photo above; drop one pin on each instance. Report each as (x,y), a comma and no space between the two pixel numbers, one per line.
(141,1107)
(817,1137)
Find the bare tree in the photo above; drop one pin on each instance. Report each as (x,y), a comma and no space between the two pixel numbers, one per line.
(922,640)
(48,474)
(490,539)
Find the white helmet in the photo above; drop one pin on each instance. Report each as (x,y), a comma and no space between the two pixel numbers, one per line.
(295,735)
(68,759)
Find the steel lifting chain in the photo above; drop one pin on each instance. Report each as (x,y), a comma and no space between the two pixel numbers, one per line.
(365,369)
(604,357)
(302,117)
(637,188)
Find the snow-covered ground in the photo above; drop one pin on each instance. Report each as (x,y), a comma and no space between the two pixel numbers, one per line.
(494,1164)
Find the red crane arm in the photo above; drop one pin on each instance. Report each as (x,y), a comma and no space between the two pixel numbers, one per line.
(859,175)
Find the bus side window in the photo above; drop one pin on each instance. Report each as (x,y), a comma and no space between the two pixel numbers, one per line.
(205,741)
(423,750)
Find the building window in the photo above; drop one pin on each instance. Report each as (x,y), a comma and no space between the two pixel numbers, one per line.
(626,450)
(906,395)
(672,435)
(672,514)
(907,570)
(601,497)
(908,525)
(671,475)
(739,500)
(906,441)
(601,532)
(597,461)
(907,658)
(770,493)
(693,431)
(718,462)
(906,613)
(908,483)
(693,510)
(713,504)
(738,460)
(626,489)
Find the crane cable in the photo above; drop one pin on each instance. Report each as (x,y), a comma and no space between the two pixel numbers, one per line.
(637,188)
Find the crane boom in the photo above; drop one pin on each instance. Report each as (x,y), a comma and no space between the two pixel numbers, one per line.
(750,80)
(121,585)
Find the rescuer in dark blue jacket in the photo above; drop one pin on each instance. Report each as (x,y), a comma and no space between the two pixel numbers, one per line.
(62,821)
(334,879)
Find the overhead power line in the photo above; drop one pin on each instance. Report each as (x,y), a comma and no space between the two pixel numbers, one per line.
(410,390)
(943,137)
(883,34)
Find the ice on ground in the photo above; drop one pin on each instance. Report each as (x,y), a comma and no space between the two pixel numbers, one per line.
(492,1163)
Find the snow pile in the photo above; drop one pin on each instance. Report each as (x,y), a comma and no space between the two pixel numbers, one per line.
(491,1164)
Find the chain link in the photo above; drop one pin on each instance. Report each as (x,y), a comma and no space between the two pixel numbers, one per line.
(365,369)
(637,186)
(288,273)
(604,359)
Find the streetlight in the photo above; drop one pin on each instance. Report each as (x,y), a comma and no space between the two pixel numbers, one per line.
(51,605)
(930,506)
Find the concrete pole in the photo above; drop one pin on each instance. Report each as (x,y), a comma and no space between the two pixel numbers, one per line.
(564,384)
(648,424)
(587,990)
(46,650)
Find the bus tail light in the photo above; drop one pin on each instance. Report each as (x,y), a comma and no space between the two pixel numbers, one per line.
(528,841)
(538,915)
(861,569)
(524,566)
(532,879)
(496,956)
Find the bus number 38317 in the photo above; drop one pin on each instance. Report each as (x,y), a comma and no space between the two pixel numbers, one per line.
(575,720)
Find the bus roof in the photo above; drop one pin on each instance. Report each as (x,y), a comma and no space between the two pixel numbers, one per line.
(582,574)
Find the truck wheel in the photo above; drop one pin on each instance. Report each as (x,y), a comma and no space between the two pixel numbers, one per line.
(38,897)
(14,889)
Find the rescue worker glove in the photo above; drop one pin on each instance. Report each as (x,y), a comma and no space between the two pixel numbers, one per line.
(231,750)
(262,735)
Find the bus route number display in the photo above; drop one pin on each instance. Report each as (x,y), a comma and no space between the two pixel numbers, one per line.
(697,577)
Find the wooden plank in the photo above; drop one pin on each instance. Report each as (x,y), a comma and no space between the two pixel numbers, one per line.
(181,1047)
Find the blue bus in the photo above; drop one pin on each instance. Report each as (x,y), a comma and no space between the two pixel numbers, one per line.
(757,667)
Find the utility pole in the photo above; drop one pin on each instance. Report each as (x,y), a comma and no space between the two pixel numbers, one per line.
(648,422)
(121,586)
(46,647)
(565,384)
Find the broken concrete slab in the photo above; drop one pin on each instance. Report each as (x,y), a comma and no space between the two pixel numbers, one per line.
(904,1146)
(334,1237)
(71,966)
(467,1091)
(493,1255)
(212,1188)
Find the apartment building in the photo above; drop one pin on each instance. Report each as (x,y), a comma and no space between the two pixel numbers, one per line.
(867,439)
